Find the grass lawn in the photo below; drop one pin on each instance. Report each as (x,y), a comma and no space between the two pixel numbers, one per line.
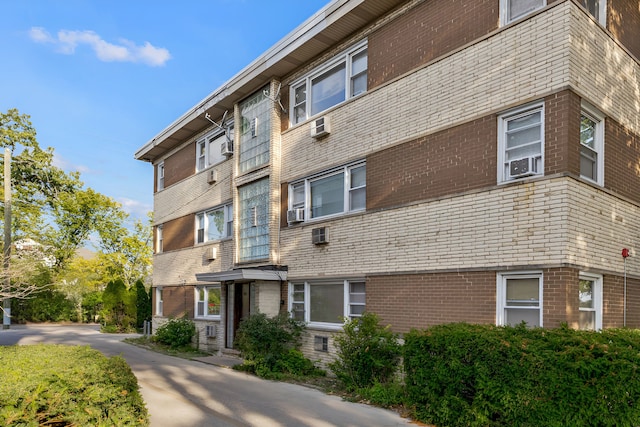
(57,385)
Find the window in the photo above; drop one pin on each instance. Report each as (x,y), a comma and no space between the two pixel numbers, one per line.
(255,134)
(209,148)
(511,10)
(519,299)
(215,224)
(207,301)
(344,77)
(331,193)
(597,8)
(160,174)
(591,145)
(327,303)
(253,221)
(521,143)
(590,296)
(159,239)
(159,301)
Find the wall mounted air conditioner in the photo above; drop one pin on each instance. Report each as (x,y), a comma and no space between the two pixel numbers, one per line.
(227,148)
(320,236)
(212,253)
(320,127)
(522,167)
(212,176)
(295,215)
(210,331)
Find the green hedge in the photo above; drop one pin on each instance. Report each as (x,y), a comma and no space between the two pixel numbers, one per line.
(483,375)
(64,385)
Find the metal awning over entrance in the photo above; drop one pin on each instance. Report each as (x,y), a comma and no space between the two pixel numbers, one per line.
(242,275)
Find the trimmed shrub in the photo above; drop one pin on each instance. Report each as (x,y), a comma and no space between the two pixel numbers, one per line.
(176,333)
(367,353)
(484,375)
(270,346)
(58,385)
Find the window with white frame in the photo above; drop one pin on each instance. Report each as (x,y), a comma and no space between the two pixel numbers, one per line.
(521,143)
(327,303)
(214,224)
(207,301)
(590,296)
(160,174)
(335,81)
(330,193)
(512,10)
(597,8)
(591,145)
(209,148)
(159,301)
(159,239)
(519,299)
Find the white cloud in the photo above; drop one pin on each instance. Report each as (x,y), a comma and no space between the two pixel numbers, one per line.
(135,207)
(62,163)
(67,41)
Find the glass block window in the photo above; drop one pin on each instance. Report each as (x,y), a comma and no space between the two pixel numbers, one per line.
(255,131)
(253,221)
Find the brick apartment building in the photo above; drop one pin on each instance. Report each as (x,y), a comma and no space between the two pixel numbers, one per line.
(429,161)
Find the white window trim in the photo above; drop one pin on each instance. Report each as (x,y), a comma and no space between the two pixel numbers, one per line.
(345,57)
(227,210)
(602,12)
(504,12)
(597,295)
(159,302)
(502,120)
(206,300)
(346,171)
(591,112)
(160,172)
(159,239)
(209,138)
(501,292)
(346,310)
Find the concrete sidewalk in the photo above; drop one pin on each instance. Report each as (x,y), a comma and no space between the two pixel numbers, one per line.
(223,361)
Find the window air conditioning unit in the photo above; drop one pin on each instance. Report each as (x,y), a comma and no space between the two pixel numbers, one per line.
(522,167)
(320,236)
(212,253)
(212,176)
(227,148)
(211,331)
(295,215)
(320,127)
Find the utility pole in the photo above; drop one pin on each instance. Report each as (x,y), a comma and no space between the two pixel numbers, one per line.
(6,303)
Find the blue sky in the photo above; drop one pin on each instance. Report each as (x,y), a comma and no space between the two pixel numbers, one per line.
(101,78)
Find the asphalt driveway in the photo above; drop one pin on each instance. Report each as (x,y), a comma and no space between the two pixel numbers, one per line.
(184,393)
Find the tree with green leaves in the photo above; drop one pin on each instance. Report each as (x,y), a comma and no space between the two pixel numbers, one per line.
(54,209)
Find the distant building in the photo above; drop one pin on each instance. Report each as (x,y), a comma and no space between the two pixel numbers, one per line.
(428,161)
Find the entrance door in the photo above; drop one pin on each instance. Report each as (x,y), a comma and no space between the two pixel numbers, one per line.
(240,298)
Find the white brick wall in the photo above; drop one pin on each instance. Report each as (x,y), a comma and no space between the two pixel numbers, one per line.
(524,62)
(541,223)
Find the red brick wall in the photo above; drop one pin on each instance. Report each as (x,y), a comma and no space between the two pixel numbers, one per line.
(562,133)
(180,165)
(422,300)
(621,156)
(428,31)
(454,160)
(560,297)
(176,301)
(613,302)
(178,233)
(623,20)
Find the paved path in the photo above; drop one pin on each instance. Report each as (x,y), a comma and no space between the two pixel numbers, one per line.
(184,393)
